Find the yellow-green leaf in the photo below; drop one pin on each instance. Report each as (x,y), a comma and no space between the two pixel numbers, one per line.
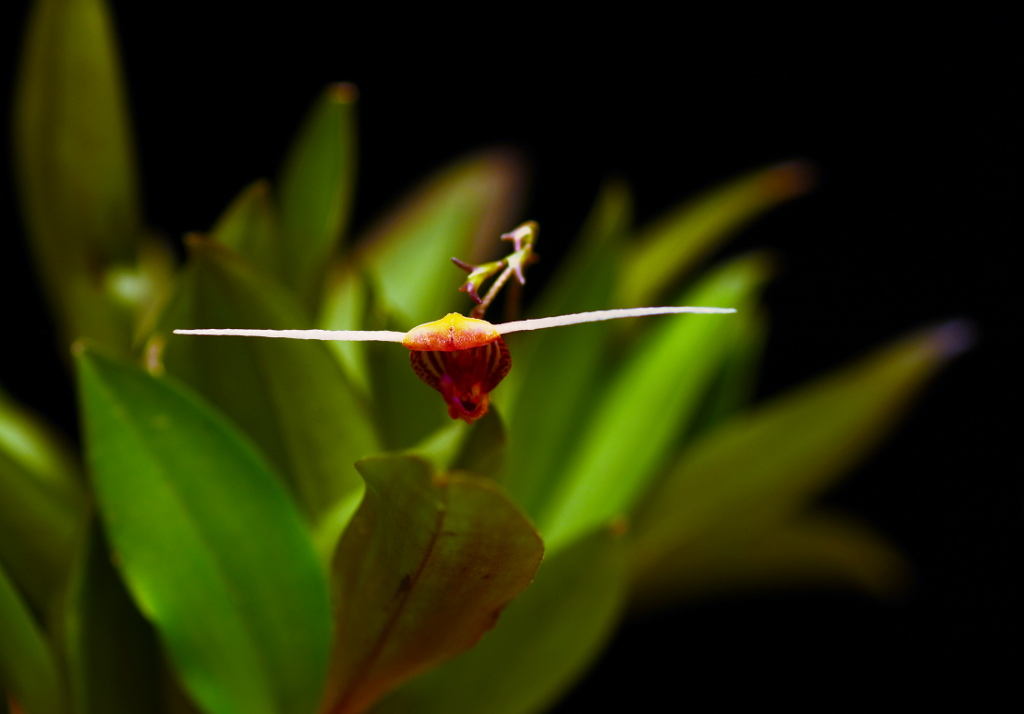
(816,549)
(211,547)
(43,506)
(555,370)
(75,165)
(459,212)
(760,468)
(290,396)
(249,227)
(28,668)
(647,406)
(424,570)
(316,188)
(674,244)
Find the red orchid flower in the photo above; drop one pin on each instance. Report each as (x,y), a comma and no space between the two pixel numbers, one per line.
(463,358)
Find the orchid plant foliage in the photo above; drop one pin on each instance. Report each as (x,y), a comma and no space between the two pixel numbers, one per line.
(300,526)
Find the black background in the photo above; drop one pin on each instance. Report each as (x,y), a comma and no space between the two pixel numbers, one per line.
(908,118)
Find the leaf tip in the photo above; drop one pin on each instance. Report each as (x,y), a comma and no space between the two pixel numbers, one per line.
(790,179)
(343,93)
(953,338)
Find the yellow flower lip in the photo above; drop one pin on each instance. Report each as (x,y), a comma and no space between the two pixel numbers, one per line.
(451,333)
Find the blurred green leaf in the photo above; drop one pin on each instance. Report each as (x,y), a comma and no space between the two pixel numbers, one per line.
(458,212)
(290,396)
(347,301)
(113,659)
(212,548)
(424,569)
(676,243)
(249,228)
(317,184)
(28,669)
(75,165)
(43,504)
(542,644)
(563,362)
(733,388)
(650,400)
(758,469)
(810,550)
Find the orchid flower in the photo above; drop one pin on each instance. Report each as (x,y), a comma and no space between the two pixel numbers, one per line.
(464,358)
(461,357)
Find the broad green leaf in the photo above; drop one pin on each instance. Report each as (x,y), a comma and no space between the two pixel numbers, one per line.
(289,396)
(249,227)
(459,212)
(674,244)
(424,569)
(316,187)
(542,644)
(113,659)
(43,504)
(760,468)
(555,370)
(815,549)
(75,165)
(649,403)
(212,549)
(28,668)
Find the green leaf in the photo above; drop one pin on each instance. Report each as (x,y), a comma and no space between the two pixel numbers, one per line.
(545,640)
(28,669)
(733,387)
(317,184)
(249,227)
(425,568)
(113,658)
(459,212)
(289,396)
(43,504)
(555,370)
(810,550)
(649,403)
(76,167)
(676,243)
(211,547)
(758,469)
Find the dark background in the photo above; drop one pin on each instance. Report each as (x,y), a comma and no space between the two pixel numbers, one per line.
(908,119)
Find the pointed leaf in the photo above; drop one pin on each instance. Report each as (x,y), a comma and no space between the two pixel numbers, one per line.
(542,644)
(211,547)
(815,549)
(556,369)
(43,504)
(674,245)
(75,164)
(113,658)
(317,184)
(28,669)
(249,228)
(759,468)
(290,396)
(649,403)
(425,568)
(459,212)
